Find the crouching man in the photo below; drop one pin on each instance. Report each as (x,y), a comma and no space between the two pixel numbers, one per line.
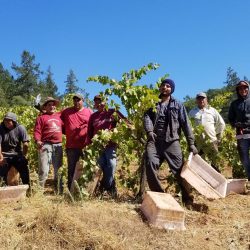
(13,148)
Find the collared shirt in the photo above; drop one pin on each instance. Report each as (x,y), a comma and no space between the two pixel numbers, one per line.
(210,119)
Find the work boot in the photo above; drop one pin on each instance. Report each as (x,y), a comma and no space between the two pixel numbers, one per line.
(186,197)
(112,191)
(100,189)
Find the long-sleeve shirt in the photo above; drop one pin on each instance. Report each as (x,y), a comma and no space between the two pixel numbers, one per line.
(210,119)
(239,111)
(176,120)
(101,121)
(76,125)
(48,128)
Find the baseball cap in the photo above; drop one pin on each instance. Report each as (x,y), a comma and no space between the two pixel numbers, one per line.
(11,116)
(78,95)
(201,94)
(98,97)
(242,83)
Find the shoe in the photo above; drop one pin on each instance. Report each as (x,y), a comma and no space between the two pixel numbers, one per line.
(99,191)
(186,198)
(112,191)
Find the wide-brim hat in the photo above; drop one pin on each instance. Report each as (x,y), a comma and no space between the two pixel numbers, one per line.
(50,99)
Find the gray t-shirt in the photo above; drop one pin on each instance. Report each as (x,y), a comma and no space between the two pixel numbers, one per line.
(161,124)
(11,140)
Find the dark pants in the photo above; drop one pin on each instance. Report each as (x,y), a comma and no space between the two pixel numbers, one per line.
(20,163)
(243,146)
(73,156)
(159,151)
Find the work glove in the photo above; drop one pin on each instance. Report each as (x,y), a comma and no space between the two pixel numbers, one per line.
(151,136)
(38,99)
(193,149)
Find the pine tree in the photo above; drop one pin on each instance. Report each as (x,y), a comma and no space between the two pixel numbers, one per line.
(232,79)
(6,86)
(49,85)
(71,81)
(28,75)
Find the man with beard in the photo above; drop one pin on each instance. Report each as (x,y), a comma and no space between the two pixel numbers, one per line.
(163,126)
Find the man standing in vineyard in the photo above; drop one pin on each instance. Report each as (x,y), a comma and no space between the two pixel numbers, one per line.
(163,128)
(239,118)
(211,120)
(75,121)
(48,137)
(13,148)
(100,120)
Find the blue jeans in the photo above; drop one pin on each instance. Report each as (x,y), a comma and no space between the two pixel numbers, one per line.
(243,146)
(49,154)
(73,156)
(107,162)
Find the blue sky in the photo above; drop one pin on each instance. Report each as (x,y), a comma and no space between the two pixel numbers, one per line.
(195,41)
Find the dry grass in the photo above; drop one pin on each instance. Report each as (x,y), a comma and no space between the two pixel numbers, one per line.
(45,222)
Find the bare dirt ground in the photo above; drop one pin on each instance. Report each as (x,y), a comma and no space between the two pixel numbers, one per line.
(48,222)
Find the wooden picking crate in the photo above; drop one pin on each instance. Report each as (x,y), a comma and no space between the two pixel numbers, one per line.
(163,211)
(237,186)
(13,193)
(206,180)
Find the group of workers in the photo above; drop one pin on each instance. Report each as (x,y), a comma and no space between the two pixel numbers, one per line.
(163,125)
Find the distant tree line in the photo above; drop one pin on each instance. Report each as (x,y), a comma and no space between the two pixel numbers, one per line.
(29,80)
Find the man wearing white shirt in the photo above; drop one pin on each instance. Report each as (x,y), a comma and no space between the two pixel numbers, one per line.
(209,118)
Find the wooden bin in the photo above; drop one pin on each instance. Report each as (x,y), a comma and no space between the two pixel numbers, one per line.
(163,211)
(237,186)
(13,193)
(205,179)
